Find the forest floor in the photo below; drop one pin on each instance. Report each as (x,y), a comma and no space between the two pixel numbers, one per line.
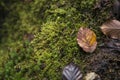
(38,39)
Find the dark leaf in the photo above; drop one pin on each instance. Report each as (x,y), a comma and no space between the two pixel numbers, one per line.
(111,45)
(101,3)
(116,9)
(71,72)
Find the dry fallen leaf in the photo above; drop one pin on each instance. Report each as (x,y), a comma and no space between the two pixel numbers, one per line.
(87,39)
(112,29)
(111,45)
(71,72)
(28,36)
(92,76)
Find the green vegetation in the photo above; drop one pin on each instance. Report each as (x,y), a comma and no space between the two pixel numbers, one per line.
(55,24)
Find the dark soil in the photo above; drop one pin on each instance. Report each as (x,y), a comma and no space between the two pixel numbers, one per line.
(106,63)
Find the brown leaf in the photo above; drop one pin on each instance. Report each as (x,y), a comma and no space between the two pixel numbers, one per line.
(112,29)
(92,76)
(28,36)
(87,39)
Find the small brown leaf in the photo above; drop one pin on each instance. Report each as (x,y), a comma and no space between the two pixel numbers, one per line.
(92,76)
(28,36)
(112,29)
(87,39)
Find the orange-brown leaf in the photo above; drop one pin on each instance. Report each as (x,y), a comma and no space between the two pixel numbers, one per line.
(87,39)
(112,29)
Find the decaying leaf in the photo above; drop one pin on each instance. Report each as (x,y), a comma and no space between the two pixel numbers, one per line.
(28,36)
(71,72)
(87,39)
(112,29)
(92,76)
(111,45)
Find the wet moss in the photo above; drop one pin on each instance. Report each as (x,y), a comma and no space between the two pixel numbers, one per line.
(54,24)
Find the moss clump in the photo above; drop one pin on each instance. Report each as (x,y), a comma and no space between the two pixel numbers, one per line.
(55,24)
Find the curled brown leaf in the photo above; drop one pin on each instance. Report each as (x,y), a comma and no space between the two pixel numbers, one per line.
(111,28)
(86,39)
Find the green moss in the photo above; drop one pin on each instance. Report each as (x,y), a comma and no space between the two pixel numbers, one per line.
(55,24)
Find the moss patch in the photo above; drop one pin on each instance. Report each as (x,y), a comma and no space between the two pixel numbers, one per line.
(55,24)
